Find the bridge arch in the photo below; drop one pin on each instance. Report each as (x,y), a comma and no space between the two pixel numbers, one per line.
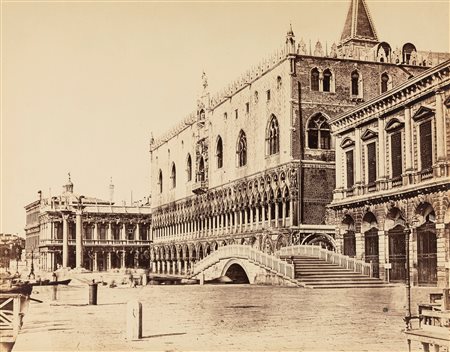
(236,270)
(322,239)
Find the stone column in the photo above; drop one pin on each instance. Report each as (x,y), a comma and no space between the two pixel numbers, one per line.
(358,158)
(269,215)
(263,217)
(79,240)
(123,234)
(185,267)
(284,213)
(257,216)
(381,152)
(122,265)
(408,144)
(109,261)
(251,218)
(179,267)
(440,127)
(95,234)
(276,214)
(94,266)
(109,232)
(65,250)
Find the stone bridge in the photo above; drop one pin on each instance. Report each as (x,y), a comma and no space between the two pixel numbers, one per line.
(244,264)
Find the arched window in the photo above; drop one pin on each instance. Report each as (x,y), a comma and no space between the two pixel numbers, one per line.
(160,181)
(315,79)
(355,83)
(219,152)
(189,168)
(384,82)
(327,77)
(201,170)
(319,136)
(407,50)
(273,136)
(242,149)
(173,176)
(278,82)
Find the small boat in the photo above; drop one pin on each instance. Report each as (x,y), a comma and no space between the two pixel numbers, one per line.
(219,280)
(50,283)
(22,288)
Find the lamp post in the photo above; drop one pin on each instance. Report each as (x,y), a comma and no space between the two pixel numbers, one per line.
(407,232)
(31,275)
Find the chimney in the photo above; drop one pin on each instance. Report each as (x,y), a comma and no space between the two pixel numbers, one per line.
(111,192)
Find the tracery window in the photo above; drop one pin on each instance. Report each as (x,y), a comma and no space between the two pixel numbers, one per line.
(242,149)
(219,153)
(315,79)
(273,136)
(319,136)
(327,77)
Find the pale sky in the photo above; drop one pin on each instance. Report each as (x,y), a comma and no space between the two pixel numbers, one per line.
(84,83)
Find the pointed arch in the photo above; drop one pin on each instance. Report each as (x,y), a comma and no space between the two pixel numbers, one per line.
(386,82)
(319,133)
(241,149)
(356,83)
(189,167)
(219,152)
(315,79)
(273,136)
(160,181)
(173,175)
(327,80)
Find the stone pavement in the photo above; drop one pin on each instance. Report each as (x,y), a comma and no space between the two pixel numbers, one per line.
(219,317)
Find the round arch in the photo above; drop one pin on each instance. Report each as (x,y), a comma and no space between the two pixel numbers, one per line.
(238,269)
(322,239)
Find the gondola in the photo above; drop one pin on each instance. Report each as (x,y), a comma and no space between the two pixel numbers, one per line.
(50,283)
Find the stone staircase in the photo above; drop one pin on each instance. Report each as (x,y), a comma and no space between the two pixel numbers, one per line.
(318,273)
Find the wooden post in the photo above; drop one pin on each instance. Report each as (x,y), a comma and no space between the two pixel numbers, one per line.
(134,320)
(54,292)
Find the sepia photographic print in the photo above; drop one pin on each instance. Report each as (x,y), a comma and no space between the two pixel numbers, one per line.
(225,175)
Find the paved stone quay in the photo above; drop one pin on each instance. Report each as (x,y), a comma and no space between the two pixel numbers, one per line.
(218,317)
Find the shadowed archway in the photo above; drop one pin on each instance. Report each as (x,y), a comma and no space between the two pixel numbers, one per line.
(237,273)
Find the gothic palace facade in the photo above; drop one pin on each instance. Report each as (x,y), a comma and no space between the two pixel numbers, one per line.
(254,164)
(74,231)
(392,180)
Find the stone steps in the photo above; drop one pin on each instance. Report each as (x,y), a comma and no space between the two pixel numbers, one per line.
(317,273)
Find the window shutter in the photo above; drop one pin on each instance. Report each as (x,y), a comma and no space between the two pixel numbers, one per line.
(426,150)
(396,154)
(372,162)
(350,179)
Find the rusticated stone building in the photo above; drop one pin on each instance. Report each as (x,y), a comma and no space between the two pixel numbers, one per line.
(391,200)
(254,164)
(74,231)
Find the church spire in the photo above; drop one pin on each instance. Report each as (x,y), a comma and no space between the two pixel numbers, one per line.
(358,27)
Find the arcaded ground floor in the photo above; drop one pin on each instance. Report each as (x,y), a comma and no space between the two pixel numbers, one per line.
(221,318)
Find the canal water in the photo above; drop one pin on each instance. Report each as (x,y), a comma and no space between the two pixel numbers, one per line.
(220,317)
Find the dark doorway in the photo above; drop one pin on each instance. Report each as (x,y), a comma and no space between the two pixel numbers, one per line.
(371,250)
(397,254)
(236,273)
(427,254)
(349,243)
